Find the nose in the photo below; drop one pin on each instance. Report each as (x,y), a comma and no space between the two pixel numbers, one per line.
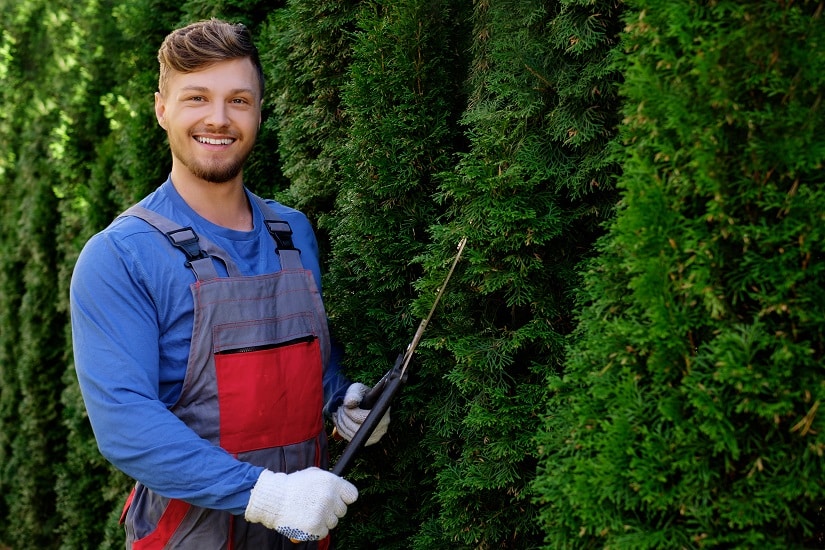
(218,115)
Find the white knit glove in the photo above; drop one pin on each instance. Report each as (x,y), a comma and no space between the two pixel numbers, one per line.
(349,417)
(303,505)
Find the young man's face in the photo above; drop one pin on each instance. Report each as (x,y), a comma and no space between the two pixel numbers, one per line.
(212,117)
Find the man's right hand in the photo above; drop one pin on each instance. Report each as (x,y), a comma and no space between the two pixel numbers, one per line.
(303,505)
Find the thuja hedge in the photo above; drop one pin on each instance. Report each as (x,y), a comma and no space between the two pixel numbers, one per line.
(688,414)
(529,193)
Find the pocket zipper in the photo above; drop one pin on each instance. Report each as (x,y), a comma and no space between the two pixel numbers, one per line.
(249,349)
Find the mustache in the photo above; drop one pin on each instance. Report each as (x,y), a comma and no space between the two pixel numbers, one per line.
(213,133)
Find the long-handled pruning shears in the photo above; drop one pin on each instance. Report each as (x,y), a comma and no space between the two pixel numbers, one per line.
(378,399)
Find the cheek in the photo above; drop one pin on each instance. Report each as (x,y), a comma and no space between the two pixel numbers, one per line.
(251,127)
(180,123)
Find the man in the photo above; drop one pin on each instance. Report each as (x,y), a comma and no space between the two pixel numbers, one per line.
(200,337)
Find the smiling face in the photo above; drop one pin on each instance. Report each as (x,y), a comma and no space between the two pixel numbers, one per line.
(211,117)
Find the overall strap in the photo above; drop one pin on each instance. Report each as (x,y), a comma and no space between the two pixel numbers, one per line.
(282,235)
(199,251)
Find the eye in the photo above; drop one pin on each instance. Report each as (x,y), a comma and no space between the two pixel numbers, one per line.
(240,101)
(197,98)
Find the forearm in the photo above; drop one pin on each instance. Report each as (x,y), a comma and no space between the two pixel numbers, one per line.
(143,439)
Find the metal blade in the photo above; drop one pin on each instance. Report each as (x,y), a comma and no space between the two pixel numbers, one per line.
(422,327)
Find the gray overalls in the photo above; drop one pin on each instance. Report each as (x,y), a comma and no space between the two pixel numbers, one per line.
(253,385)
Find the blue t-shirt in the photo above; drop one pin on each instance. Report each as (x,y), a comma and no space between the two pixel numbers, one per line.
(132,311)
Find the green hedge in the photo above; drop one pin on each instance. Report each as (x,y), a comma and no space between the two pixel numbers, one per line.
(688,412)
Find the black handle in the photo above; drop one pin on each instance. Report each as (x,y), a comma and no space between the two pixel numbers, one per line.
(380,397)
(371,397)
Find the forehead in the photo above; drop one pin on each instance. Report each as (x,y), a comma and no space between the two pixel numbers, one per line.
(222,77)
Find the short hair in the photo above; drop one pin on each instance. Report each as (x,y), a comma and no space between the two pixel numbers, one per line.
(199,45)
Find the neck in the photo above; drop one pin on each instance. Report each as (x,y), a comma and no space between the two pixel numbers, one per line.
(223,204)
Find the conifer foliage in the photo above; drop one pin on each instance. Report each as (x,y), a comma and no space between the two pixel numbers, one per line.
(404,88)
(306,49)
(688,414)
(529,194)
(34,130)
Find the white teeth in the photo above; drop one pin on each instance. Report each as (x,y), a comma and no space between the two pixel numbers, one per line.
(211,141)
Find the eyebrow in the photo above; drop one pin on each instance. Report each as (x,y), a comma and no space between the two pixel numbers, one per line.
(204,89)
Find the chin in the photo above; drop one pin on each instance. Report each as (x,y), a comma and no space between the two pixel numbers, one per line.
(217,175)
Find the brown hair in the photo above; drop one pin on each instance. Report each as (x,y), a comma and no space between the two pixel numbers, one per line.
(196,46)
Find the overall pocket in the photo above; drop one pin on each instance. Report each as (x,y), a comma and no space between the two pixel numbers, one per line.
(270,391)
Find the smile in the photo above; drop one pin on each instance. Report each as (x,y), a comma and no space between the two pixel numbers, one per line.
(212,141)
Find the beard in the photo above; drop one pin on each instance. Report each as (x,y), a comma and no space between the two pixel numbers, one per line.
(216,172)
(213,170)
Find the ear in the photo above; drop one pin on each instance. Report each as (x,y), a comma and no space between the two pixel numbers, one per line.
(160,110)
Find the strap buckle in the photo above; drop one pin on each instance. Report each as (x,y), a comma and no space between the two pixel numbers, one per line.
(282,233)
(187,240)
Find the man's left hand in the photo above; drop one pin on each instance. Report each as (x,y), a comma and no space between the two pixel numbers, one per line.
(349,416)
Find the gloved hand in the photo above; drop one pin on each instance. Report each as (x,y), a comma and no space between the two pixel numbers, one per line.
(349,416)
(303,505)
